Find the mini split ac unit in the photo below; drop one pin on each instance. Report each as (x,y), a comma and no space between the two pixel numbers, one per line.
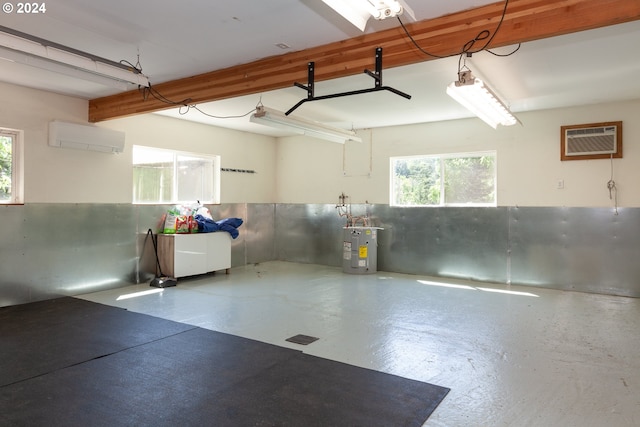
(598,140)
(83,137)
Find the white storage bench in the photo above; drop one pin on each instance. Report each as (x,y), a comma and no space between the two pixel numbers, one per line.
(182,255)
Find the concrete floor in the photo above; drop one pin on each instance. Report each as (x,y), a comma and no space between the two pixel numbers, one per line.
(529,357)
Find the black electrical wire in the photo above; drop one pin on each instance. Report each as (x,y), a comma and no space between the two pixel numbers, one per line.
(186,106)
(504,12)
(505,54)
(415,43)
(150,90)
(467,50)
(468,47)
(195,107)
(136,69)
(160,97)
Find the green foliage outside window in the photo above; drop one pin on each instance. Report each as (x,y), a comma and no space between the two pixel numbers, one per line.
(6,145)
(416,181)
(444,180)
(470,180)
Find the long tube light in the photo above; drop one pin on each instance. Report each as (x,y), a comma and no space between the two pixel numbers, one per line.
(273,118)
(477,97)
(358,12)
(36,52)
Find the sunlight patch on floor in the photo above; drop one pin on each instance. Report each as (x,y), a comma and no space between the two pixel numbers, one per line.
(473,288)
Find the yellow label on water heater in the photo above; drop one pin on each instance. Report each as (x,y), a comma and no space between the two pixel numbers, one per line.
(363,251)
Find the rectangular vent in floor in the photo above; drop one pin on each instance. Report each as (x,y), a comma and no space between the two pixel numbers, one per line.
(302,339)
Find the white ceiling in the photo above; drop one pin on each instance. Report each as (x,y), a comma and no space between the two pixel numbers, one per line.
(182,39)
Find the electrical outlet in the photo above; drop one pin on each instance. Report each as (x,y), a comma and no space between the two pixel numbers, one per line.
(560,184)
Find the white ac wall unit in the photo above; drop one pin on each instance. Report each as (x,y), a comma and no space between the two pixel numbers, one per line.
(598,140)
(83,137)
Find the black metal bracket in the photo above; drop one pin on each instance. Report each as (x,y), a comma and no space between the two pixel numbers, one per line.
(376,75)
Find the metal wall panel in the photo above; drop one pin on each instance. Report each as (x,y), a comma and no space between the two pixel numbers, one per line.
(309,233)
(449,242)
(49,250)
(582,249)
(260,233)
(255,243)
(468,243)
(148,217)
(238,245)
(14,261)
(53,250)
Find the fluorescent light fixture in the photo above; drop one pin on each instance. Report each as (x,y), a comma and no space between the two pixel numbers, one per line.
(29,50)
(276,119)
(358,12)
(477,97)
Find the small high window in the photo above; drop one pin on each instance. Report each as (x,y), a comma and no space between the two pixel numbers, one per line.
(467,179)
(11,165)
(167,176)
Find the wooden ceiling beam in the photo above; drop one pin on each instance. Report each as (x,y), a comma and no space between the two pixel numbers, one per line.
(525,20)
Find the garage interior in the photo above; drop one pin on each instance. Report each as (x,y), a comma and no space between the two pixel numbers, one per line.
(525,309)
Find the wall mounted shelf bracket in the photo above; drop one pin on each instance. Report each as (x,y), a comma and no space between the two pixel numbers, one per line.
(376,75)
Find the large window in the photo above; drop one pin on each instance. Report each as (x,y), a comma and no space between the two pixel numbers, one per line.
(166,176)
(446,180)
(10,166)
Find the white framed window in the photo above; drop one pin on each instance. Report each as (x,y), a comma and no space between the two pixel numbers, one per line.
(11,167)
(463,179)
(168,176)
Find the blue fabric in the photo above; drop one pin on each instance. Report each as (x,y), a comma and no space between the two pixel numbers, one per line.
(207,225)
(230,225)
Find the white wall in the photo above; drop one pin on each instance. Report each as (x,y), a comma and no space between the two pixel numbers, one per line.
(529,166)
(55,175)
(305,170)
(50,174)
(238,150)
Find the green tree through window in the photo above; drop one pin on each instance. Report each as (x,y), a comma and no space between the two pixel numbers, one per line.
(6,166)
(468,179)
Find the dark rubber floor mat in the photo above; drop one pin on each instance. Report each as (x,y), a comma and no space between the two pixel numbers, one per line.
(40,337)
(198,377)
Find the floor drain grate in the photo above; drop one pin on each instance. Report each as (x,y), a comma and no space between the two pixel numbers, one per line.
(302,339)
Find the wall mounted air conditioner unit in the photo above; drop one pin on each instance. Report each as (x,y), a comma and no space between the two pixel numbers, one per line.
(83,137)
(591,141)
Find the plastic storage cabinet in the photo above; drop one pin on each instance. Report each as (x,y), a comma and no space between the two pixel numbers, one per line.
(184,255)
